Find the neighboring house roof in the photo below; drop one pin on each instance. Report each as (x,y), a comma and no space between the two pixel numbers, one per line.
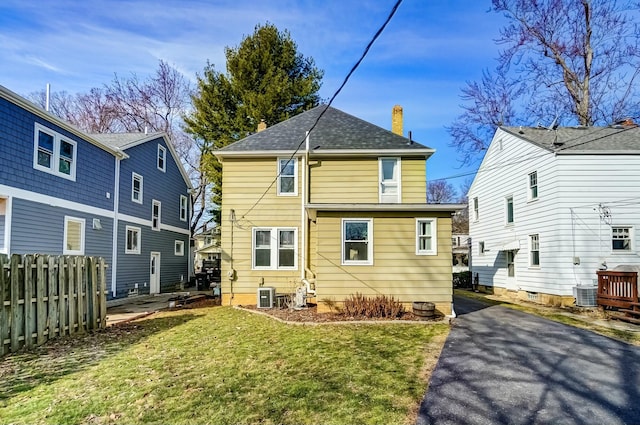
(618,139)
(34,109)
(336,133)
(124,141)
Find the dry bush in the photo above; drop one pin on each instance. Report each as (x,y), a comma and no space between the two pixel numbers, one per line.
(380,306)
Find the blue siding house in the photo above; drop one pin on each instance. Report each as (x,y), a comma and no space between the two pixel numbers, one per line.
(123,197)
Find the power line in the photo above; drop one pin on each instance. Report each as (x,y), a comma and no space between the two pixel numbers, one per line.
(344,82)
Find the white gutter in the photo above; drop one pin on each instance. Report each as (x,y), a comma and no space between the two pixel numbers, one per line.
(303,201)
(116,208)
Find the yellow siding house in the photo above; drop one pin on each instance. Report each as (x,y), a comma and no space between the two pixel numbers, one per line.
(328,205)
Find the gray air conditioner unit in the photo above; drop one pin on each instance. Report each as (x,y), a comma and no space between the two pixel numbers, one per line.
(266,297)
(586,295)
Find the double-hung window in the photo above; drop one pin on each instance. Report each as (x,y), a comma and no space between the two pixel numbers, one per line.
(621,238)
(275,248)
(155,215)
(162,158)
(389,176)
(54,153)
(476,212)
(287,172)
(73,236)
(426,231)
(357,241)
(133,240)
(184,208)
(533,185)
(534,250)
(136,188)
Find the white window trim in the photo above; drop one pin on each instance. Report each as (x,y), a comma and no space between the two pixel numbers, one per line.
(434,236)
(632,247)
(531,265)
(506,211)
(164,158)
(81,221)
(295,177)
(126,238)
(159,204)
(530,196)
(274,248)
(137,176)
(184,208)
(7,225)
(369,260)
(55,156)
(178,248)
(399,190)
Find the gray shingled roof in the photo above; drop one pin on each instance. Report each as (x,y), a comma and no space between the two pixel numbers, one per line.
(568,140)
(335,130)
(123,140)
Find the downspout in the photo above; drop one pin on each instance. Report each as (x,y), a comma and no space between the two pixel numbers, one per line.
(116,208)
(304,222)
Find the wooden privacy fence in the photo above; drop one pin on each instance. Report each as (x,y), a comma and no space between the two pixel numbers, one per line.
(44,296)
(617,288)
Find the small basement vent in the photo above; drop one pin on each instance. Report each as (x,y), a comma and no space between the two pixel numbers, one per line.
(266,297)
(586,295)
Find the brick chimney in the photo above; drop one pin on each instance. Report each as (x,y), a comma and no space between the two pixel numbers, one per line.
(396,120)
(262,126)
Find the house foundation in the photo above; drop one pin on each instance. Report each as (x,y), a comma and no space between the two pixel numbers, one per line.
(535,297)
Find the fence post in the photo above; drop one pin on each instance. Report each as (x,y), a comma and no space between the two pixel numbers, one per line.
(41,311)
(102,287)
(15,302)
(71,291)
(91,274)
(29,317)
(51,295)
(4,316)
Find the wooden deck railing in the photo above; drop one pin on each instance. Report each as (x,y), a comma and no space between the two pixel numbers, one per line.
(617,288)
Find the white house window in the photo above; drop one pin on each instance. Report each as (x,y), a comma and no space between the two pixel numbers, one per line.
(533,185)
(389,175)
(179,248)
(54,153)
(426,231)
(509,210)
(621,238)
(534,250)
(162,156)
(357,241)
(184,208)
(511,263)
(136,188)
(481,247)
(155,215)
(287,176)
(476,212)
(73,236)
(133,240)
(275,248)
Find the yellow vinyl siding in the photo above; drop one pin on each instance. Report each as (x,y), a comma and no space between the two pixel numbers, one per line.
(358,181)
(396,271)
(244,182)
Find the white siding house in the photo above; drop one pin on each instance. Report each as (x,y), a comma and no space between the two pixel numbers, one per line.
(550,207)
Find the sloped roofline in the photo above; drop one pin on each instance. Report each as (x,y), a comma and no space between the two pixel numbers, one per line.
(34,109)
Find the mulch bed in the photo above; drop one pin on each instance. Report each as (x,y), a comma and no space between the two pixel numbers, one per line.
(311,315)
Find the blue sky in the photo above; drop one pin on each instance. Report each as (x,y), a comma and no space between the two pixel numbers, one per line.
(421,61)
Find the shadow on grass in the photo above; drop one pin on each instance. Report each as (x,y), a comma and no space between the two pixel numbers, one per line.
(57,358)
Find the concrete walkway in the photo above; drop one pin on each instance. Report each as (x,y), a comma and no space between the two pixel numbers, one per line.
(501,366)
(127,309)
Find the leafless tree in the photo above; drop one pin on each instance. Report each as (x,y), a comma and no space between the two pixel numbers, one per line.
(576,61)
(460,222)
(440,192)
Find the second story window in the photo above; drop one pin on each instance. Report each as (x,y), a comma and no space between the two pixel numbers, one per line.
(476,212)
(162,157)
(389,174)
(155,215)
(136,188)
(287,181)
(533,185)
(184,208)
(509,211)
(54,153)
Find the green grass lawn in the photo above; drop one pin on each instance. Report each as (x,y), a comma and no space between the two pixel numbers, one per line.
(221,365)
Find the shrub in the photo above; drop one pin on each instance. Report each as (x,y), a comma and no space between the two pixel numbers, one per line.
(380,306)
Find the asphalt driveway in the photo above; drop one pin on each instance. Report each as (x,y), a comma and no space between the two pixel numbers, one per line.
(501,366)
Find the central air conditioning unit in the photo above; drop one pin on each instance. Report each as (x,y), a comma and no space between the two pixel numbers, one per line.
(266,297)
(586,295)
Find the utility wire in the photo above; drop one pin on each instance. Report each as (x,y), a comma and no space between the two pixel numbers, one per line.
(344,82)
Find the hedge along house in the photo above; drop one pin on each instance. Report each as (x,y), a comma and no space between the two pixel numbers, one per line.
(62,192)
(333,204)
